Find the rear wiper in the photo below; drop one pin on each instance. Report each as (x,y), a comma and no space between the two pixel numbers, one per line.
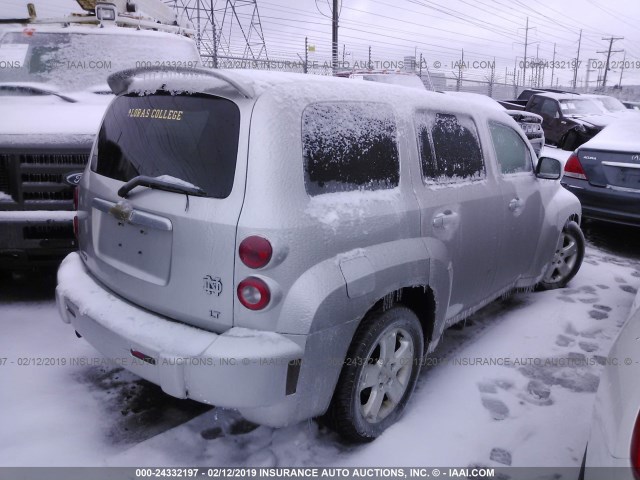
(167,186)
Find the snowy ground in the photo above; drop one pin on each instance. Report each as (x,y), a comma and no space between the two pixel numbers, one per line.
(535,411)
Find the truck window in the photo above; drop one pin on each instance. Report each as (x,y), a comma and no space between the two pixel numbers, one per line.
(549,108)
(511,151)
(349,146)
(449,148)
(535,105)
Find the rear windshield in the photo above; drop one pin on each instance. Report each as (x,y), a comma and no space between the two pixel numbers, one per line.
(193,138)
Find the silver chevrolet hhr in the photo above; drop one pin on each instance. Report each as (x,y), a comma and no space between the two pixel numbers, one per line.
(291,246)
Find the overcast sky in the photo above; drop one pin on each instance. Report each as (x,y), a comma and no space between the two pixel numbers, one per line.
(439,30)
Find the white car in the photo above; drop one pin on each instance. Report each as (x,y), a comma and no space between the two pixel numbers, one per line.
(615,431)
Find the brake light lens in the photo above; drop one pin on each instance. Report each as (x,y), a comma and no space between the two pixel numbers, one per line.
(76,193)
(635,449)
(255,251)
(254,293)
(573,168)
(76,223)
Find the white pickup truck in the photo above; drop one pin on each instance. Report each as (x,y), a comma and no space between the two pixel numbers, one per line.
(53,84)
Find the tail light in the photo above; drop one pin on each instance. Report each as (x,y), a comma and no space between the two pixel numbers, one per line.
(255,252)
(254,293)
(573,168)
(76,193)
(635,449)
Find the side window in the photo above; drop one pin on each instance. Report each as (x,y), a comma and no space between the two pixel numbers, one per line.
(511,151)
(449,148)
(535,105)
(549,108)
(349,146)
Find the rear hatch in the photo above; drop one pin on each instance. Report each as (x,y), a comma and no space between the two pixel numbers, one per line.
(611,169)
(171,252)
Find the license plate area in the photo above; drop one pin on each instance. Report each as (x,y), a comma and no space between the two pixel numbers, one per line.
(139,246)
(622,175)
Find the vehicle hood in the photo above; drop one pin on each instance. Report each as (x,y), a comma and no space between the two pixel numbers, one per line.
(601,121)
(36,115)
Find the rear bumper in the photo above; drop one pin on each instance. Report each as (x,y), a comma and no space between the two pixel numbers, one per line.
(241,368)
(600,203)
(35,238)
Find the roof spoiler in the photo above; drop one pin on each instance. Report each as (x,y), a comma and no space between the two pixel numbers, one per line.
(120,82)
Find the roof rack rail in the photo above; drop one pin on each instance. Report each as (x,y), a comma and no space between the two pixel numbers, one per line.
(141,14)
(120,82)
(555,90)
(121,21)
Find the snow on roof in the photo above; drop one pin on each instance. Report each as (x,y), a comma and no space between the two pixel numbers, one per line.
(288,85)
(91,30)
(621,135)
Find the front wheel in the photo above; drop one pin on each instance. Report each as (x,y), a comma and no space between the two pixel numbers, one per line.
(378,376)
(567,258)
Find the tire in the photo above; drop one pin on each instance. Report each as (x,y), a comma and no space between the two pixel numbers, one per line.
(372,392)
(566,260)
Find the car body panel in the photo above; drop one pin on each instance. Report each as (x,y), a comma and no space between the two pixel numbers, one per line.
(617,403)
(335,255)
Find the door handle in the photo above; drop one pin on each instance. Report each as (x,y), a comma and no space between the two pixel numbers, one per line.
(515,204)
(441,220)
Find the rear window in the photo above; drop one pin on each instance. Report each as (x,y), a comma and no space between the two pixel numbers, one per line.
(193,138)
(349,146)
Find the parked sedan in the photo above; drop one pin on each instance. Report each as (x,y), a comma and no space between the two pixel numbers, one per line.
(615,432)
(604,174)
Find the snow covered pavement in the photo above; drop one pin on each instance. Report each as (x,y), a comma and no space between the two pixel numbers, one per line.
(513,387)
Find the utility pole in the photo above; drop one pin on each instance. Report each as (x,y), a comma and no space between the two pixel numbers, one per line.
(306,55)
(459,83)
(609,52)
(492,77)
(526,42)
(575,67)
(515,78)
(369,64)
(343,52)
(553,62)
(334,37)
(624,59)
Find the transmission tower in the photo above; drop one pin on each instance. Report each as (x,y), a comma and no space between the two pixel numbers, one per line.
(226,29)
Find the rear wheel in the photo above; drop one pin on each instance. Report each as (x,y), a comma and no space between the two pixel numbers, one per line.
(567,259)
(378,376)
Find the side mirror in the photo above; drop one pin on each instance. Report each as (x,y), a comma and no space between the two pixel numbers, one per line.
(549,168)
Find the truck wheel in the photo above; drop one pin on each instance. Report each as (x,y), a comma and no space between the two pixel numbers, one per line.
(567,259)
(378,375)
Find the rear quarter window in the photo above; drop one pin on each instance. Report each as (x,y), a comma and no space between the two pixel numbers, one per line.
(349,146)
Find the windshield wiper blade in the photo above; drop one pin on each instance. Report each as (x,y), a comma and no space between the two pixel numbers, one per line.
(151,182)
